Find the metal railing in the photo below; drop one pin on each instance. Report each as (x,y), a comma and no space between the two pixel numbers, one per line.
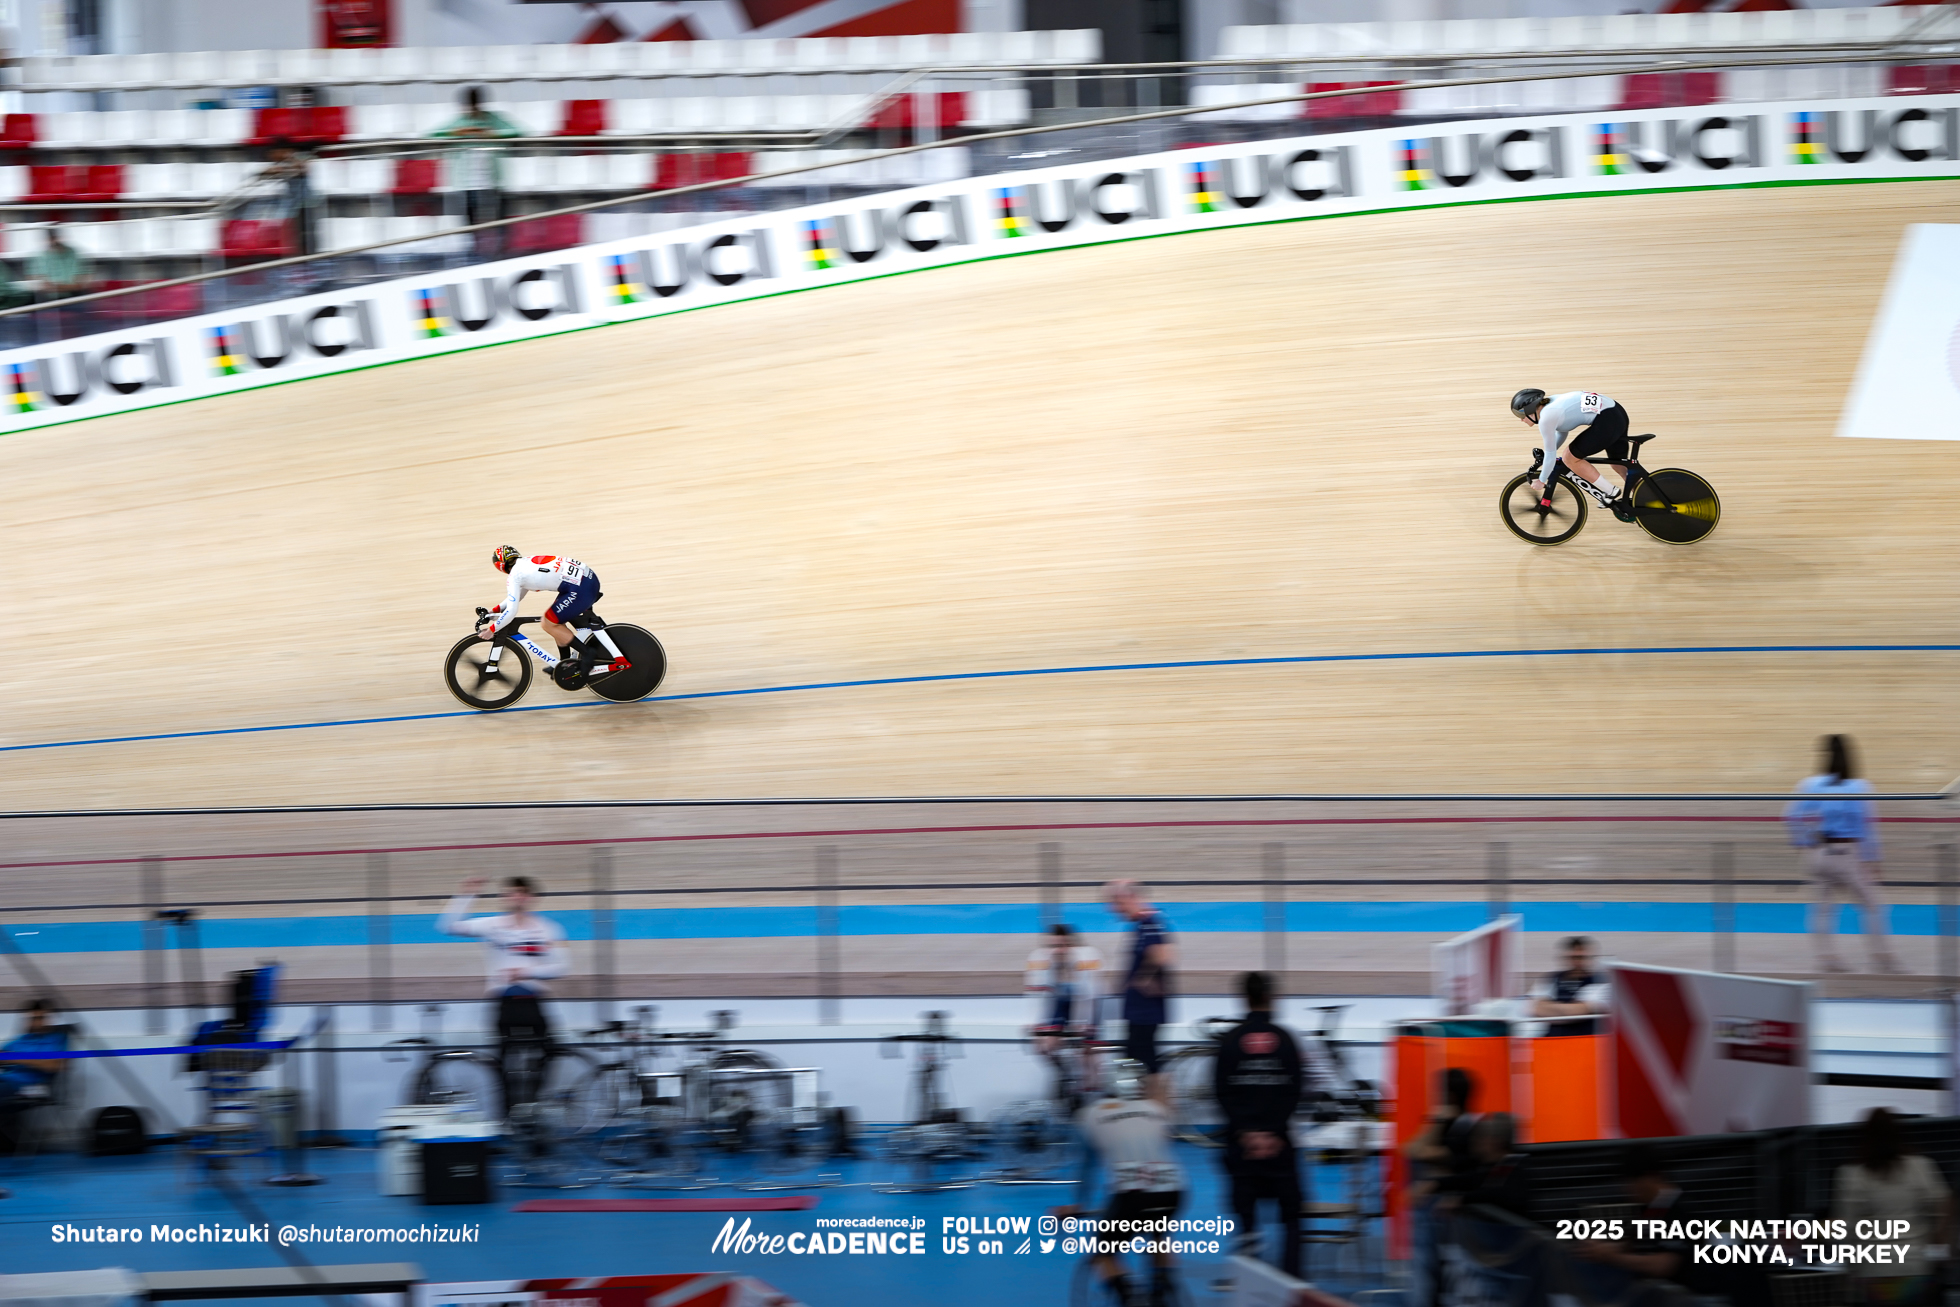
(818,897)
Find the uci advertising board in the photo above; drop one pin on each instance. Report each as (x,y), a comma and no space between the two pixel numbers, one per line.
(979,218)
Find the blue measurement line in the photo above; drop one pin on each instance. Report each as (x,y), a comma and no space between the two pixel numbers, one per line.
(1424,656)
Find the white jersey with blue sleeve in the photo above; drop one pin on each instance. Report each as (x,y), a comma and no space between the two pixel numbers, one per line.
(1564,415)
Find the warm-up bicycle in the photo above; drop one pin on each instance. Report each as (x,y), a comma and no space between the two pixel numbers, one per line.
(614,661)
(1671,505)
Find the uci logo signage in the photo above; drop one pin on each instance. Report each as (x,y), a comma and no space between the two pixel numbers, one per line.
(327,332)
(1521,154)
(129,367)
(664,271)
(472,304)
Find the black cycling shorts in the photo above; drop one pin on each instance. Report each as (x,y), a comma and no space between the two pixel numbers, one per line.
(1143,1205)
(1607,435)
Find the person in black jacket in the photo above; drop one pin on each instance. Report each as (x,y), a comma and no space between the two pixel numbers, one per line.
(1257,1079)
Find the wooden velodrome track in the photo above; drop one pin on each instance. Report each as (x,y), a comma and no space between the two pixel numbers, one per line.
(1265,443)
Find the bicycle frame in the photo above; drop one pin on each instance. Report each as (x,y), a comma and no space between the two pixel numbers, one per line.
(1632,472)
(549,657)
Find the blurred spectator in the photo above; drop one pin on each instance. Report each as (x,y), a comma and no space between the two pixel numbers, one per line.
(1438,1154)
(1840,837)
(1652,1255)
(1257,1080)
(27,1082)
(297,201)
(1578,990)
(1147,986)
(477,170)
(1657,1199)
(1495,1176)
(522,950)
(1887,1182)
(1061,987)
(58,272)
(1063,994)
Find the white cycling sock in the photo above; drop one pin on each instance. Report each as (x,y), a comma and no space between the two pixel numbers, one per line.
(1607,488)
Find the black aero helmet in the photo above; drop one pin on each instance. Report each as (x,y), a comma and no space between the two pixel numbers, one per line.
(1527,402)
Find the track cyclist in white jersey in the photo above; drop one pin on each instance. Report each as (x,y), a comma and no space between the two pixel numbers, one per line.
(1557,417)
(576,585)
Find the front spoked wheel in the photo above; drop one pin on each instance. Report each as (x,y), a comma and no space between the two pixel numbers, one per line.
(1541,524)
(649,666)
(1675,506)
(483,681)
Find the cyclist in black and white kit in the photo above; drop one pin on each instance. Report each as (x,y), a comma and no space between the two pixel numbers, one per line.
(1557,417)
(1130,1135)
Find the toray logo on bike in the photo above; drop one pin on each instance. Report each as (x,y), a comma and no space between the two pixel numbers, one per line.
(479,302)
(61,380)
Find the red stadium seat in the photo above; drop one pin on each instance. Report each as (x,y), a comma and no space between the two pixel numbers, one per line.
(1922,79)
(100,182)
(151,305)
(554,233)
(18,133)
(1670,90)
(323,124)
(584,118)
(269,125)
(905,112)
(677,170)
(728,166)
(256,238)
(48,182)
(416,176)
(1379,105)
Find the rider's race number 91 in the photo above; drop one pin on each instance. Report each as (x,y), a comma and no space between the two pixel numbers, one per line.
(1590,1229)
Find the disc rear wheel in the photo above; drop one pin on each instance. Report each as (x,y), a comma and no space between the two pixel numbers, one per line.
(649,666)
(484,685)
(1675,506)
(1542,524)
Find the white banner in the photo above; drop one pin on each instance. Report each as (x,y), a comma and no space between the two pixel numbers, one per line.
(979,218)
(1479,966)
(1699,1053)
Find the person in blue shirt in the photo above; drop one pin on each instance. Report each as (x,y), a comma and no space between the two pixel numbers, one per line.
(1147,987)
(1840,839)
(25,1080)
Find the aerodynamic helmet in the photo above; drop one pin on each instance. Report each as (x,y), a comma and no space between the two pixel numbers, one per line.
(1527,402)
(504,558)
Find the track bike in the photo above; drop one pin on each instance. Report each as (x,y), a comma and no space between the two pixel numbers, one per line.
(1034,1139)
(1330,1091)
(1671,505)
(617,662)
(657,1124)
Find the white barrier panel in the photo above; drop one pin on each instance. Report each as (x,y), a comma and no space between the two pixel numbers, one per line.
(1479,966)
(971,219)
(1698,1053)
(1908,385)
